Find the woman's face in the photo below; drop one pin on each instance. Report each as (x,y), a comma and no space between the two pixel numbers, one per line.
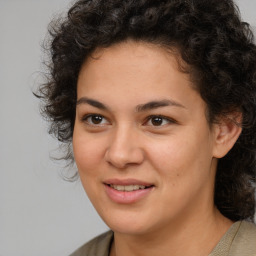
(142,144)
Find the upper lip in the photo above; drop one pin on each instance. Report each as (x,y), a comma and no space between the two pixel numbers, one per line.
(127,182)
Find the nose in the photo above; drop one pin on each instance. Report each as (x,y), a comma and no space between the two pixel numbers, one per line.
(124,149)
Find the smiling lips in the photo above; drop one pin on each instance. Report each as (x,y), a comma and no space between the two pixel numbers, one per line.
(127,191)
(127,188)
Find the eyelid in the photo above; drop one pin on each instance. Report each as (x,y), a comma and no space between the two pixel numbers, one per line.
(87,116)
(166,120)
(170,120)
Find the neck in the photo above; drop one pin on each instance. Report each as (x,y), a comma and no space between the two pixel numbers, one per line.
(179,238)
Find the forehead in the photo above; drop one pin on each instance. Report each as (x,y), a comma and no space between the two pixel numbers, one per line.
(132,60)
(126,75)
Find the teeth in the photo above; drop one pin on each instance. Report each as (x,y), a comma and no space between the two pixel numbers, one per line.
(127,188)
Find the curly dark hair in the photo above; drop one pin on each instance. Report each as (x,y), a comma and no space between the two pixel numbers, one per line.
(217,48)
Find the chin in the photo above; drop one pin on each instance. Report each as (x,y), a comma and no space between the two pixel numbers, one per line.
(128,223)
(129,229)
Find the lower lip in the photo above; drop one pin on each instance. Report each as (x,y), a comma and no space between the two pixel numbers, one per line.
(127,197)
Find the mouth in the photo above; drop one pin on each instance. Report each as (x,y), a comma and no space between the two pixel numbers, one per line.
(128,188)
(127,191)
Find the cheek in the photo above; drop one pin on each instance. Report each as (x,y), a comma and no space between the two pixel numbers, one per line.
(87,153)
(169,154)
(88,160)
(180,156)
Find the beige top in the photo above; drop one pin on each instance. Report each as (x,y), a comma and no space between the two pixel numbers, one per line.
(239,240)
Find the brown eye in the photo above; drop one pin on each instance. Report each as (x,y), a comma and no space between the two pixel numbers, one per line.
(95,120)
(157,121)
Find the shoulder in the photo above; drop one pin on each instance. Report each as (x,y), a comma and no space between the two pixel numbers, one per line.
(239,240)
(247,229)
(244,242)
(99,246)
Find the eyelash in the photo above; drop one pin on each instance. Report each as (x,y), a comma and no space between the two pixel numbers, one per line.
(160,118)
(87,117)
(163,118)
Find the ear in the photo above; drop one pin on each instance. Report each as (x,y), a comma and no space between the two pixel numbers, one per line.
(226,132)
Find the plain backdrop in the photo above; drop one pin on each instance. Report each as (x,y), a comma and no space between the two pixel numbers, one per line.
(40,213)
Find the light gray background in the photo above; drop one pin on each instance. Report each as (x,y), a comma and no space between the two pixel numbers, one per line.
(40,213)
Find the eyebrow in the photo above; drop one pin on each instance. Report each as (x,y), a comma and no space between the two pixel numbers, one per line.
(140,108)
(91,102)
(157,104)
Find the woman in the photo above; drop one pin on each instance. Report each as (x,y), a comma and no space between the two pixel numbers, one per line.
(158,100)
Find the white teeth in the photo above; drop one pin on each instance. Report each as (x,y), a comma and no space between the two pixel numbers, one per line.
(127,188)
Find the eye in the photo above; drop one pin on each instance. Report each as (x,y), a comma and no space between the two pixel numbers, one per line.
(158,121)
(95,119)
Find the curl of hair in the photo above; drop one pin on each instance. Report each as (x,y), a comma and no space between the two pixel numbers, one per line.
(212,40)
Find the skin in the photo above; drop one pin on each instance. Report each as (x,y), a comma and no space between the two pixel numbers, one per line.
(178,154)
